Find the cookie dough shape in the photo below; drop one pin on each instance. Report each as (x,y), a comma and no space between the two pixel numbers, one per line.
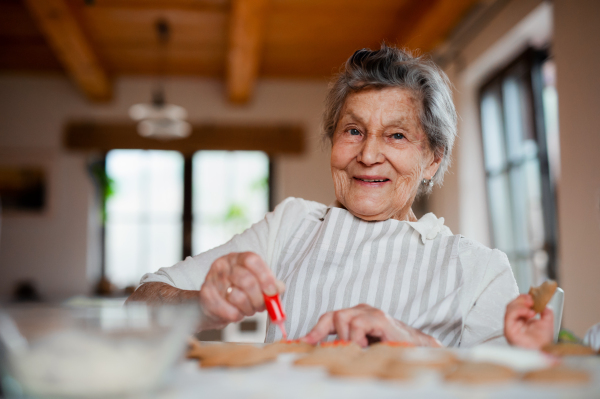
(475,373)
(568,349)
(289,347)
(200,351)
(429,358)
(232,355)
(330,355)
(389,350)
(542,295)
(398,371)
(365,365)
(558,375)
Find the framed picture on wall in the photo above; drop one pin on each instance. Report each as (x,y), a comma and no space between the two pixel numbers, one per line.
(25,183)
(23,188)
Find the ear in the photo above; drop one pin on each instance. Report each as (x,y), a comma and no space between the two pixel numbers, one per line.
(434,164)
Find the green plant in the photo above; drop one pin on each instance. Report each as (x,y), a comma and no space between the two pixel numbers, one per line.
(104,185)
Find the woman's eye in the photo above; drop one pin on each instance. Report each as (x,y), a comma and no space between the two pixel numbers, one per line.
(354,132)
(398,136)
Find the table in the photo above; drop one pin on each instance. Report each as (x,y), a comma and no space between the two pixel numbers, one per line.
(282,380)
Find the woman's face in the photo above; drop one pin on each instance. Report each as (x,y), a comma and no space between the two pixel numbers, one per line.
(380,154)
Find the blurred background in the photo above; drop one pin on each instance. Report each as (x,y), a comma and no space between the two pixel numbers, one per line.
(134,133)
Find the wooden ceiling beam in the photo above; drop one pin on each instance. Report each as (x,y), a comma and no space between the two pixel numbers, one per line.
(272,139)
(63,33)
(246,39)
(434,23)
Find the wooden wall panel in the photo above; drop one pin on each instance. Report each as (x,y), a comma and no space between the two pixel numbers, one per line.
(89,136)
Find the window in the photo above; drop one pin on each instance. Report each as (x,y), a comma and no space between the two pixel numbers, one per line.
(147,223)
(518,109)
(144,215)
(230,193)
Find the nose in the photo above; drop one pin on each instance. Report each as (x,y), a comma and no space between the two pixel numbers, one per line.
(371,152)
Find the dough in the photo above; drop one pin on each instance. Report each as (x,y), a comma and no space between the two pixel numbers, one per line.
(479,373)
(329,355)
(568,349)
(542,295)
(558,375)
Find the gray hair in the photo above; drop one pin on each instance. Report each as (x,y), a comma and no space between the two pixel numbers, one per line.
(394,67)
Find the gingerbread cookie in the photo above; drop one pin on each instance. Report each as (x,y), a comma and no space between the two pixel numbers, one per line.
(232,355)
(396,370)
(558,375)
(568,349)
(329,355)
(542,295)
(389,349)
(365,365)
(429,358)
(479,373)
(289,347)
(199,351)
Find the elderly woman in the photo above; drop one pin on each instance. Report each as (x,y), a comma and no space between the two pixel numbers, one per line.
(363,268)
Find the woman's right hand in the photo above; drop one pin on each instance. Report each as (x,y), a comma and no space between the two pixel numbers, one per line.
(234,288)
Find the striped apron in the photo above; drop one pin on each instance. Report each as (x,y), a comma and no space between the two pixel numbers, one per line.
(338,261)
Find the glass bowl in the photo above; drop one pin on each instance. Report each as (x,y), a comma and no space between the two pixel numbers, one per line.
(100,351)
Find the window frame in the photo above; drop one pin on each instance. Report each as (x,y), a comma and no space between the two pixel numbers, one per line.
(528,65)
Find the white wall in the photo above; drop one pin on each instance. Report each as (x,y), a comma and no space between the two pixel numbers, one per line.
(59,249)
(463,199)
(576,44)
(571,29)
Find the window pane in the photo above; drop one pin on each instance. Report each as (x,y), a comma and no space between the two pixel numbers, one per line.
(144,216)
(501,212)
(517,130)
(493,132)
(230,193)
(550,104)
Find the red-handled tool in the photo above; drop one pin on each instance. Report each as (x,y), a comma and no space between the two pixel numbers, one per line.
(276,313)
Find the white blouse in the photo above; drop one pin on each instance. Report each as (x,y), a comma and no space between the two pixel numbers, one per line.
(446,285)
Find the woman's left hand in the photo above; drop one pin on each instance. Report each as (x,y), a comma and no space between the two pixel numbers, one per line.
(362,324)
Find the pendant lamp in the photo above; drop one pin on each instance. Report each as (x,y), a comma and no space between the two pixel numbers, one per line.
(158,119)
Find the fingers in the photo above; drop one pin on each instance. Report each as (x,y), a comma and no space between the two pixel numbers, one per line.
(280,286)
(342,320)
(240,300)
(261,271)
(520,313)
(547,315)
(353,324)
(219,274)
(358,331)
(217,310)
(519,308)
(321,330)
(242,279)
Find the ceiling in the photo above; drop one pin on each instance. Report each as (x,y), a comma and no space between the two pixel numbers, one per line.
(234,40)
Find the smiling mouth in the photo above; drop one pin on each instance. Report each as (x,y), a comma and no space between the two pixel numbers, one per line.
(372,180)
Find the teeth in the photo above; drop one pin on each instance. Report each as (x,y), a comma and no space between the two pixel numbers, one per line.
(373,181)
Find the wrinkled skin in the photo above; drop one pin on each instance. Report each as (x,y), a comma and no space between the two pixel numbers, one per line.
(379,136)
(363,324)
(248,276)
